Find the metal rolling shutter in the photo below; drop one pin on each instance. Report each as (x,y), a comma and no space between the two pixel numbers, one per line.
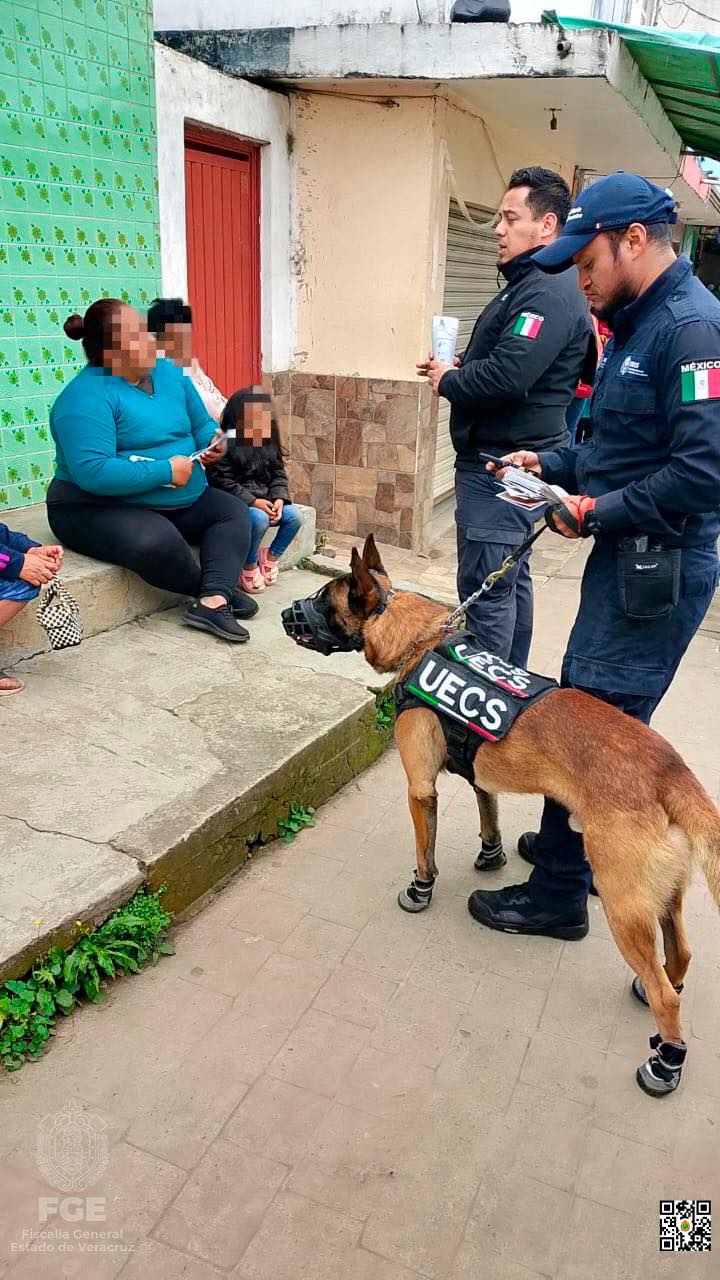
(470,282)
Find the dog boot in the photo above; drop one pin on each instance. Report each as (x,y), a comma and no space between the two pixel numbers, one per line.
(638,989)
(663,1069)
(417,896)
(491,857)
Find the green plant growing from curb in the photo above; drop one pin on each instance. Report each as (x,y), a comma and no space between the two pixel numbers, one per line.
(298,817)
(128,939)
(385,711)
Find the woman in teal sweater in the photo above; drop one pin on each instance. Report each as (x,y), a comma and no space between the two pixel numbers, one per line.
(126,489)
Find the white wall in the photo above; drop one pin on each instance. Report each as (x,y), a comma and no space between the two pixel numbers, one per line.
(216,15)
(189,90)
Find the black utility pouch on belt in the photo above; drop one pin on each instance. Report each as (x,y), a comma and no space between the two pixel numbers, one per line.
(648,578)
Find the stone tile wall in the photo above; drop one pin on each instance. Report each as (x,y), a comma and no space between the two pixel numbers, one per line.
(361,452)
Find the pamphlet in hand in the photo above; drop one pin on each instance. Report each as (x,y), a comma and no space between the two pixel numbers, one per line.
(524,489)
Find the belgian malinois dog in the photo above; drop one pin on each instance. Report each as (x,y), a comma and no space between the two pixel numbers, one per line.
(645,818)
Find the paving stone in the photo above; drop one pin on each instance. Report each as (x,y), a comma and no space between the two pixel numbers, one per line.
(564,1067)
(600,1244)
(225,961)
(475,1260)
(416,1026)
(186,1007)
(137,1188)
(157,1260)
(276,1120)
(527,1137)
(267,915)
(222,1204)
(321,940)
(504,1003)
(623,1174)
(352,898)
(319,1053)
(387,1084)
(283,989)
(386,951)
(491,1064)
(355,995)
(299,1240)
(184,1108)
(521,1219)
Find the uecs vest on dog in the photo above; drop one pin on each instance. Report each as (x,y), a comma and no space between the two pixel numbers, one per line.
(476,696)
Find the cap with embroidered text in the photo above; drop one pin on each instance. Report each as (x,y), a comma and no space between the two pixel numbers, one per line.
(611,203)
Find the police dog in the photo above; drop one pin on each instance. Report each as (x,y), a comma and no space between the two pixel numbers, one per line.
(645,818)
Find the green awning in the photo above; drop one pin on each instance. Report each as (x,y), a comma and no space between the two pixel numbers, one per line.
(683,68)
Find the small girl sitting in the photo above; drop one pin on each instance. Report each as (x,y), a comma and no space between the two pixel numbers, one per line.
(253,470)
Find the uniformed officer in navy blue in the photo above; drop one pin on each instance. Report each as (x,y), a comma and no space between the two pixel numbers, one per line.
(510,390)
(646,486)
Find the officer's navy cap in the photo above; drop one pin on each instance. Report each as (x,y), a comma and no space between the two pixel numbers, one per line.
(611,203)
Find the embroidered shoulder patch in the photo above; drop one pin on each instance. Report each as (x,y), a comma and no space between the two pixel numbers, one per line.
(700,380)
(528,324)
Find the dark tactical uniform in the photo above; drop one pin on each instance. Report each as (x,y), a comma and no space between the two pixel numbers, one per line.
(519,372)
(653,464)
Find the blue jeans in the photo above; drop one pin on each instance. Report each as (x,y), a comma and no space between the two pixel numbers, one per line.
(287,529)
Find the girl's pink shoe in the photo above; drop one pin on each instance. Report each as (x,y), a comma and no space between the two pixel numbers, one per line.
(268,567)
(252,581)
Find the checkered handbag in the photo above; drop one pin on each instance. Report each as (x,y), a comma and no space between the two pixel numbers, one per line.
(58,613)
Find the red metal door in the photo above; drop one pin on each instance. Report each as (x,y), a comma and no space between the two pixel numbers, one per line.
(222,181)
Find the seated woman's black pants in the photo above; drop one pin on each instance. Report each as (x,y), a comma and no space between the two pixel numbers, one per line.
(156,544)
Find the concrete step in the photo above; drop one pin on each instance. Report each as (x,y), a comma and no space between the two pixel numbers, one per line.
(108,596)
(154,754)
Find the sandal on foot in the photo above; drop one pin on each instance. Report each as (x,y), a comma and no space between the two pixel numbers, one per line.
(10,684)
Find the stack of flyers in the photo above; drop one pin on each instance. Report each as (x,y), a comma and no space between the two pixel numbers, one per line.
(523,489)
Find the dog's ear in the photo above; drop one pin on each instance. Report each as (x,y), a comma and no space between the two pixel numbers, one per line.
(363,591)
(371,555)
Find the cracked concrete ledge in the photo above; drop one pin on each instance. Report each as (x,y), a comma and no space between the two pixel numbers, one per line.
(153,754)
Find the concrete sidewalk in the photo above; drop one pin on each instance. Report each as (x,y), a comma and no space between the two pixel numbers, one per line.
(154,753)
(319,1087)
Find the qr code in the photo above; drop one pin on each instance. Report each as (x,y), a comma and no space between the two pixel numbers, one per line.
(684,1226)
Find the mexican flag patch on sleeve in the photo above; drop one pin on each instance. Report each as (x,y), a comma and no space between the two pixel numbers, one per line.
(528,325)
(700,380)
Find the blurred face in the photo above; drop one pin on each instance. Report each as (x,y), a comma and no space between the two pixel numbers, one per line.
(607,275)
(257,421)
(132,353)
(518,230)
(176,342)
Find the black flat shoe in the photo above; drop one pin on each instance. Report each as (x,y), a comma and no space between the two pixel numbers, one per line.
(219,622)
(243,606)
(512,910)
(526,849)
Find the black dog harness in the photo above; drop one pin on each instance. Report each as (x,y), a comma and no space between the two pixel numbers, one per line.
(476,696)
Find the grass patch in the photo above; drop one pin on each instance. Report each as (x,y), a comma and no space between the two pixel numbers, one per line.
(131,937)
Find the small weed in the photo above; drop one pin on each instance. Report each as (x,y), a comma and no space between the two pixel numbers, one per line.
(132,936)
(303,563)
(385,711)
(298,817)
(321,541)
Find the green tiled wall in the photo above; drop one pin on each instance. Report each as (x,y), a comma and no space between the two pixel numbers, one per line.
(78,201)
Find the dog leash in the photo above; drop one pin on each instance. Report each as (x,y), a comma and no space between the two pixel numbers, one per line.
(507,564)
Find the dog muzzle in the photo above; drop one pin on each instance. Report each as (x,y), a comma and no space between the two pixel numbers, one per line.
(308,626)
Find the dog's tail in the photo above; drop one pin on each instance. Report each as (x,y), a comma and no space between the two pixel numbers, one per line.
(688,805)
